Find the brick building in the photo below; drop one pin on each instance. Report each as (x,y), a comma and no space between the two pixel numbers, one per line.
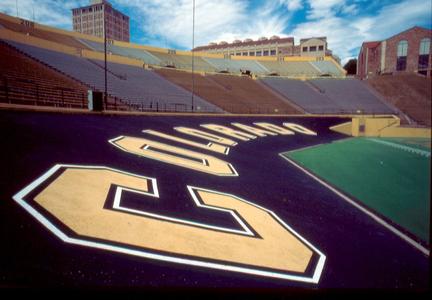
(90,20)
(273,46)
(405,52)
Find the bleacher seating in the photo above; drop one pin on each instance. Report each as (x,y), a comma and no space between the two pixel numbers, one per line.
(410,93)
(25,81)
(351,95)
(43,34)
(236,66)
(329,95)
(183,61)
(235,94)
(138,87)
(327,67)
(290,68)
(297,91)
(123,51)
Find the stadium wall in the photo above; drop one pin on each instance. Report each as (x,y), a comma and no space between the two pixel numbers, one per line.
(380,127)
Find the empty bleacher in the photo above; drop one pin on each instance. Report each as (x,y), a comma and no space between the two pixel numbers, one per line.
(290,68)
(25,81)
(140,54)
(43,34)
(236,66)
(299,92)
(329,95)
(183,61)
(137,87)
(410,93)
(327,67)
(351,95)
(235,94)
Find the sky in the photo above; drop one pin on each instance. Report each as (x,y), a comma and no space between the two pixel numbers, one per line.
(168,23)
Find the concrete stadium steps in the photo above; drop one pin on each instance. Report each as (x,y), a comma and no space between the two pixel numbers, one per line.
(140,88)
(351,95)
(123,51)
(183,61)
(236,66)
(327,67)
(409,93)
(235,94)
(290,68)
(299,92)
(25,81)
(137,85)
(62,39)
(329,95)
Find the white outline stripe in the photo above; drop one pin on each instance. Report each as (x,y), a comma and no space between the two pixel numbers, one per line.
(222,266)
(402,147)
(231,167)
(361,208)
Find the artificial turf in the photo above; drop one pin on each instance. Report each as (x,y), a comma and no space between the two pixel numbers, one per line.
(389,180)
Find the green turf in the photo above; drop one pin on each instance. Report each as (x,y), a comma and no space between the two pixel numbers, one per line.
(391,181)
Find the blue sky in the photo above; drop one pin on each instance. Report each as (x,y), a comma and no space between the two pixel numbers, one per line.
(168,23)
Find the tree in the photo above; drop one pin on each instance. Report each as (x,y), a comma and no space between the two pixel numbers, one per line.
(351,66)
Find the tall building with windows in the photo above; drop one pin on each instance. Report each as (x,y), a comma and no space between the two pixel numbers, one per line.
(273,46)
(405,52)
(90,20)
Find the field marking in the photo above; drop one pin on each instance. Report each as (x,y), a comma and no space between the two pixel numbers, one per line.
(402,147)
(19,198)
(361,208)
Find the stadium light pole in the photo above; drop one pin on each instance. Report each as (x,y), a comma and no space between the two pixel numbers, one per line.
(193,56)
(105,53)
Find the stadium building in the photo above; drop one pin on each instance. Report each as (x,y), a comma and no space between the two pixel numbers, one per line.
(405,52)
(90,20)
(273,46)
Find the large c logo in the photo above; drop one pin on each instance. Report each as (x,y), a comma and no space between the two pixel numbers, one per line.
(74,203)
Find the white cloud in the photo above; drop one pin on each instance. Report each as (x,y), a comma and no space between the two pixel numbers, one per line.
(168,23)
(49,12)
(346,34)
(215,20)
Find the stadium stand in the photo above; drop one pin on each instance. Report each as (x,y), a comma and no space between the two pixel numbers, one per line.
(43,34)
(327,67)
(292,68)
(321,96)
(25,81)
(156,91)
(126,85)
(302,95)
(351,95)
(235,94)
(141,54)
(409,93)
(182,61)
(236,66)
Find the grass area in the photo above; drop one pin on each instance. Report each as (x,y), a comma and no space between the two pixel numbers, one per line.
(390,180)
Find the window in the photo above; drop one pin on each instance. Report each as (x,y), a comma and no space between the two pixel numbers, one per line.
(251,53)
(266,53)
(312,48)
(245,54)
(321,48)
(402,51)
(423,61)
(425,46)
(273,52)
(259,53)
(238,54)
(305,49)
